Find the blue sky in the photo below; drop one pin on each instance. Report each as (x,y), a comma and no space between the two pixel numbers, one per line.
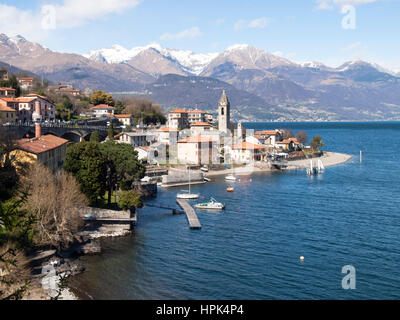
(301,30)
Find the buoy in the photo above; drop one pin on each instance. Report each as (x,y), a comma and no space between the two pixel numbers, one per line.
(302,259)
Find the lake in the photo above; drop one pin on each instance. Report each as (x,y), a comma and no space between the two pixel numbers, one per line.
(350,215)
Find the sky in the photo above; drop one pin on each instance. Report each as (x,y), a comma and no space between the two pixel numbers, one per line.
(328,31)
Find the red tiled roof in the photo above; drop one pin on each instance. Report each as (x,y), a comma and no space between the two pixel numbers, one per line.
(24,100)
(102,106)
(8,89)
(201,124)
(196,139)
(196,111)
(42,144)
(267,132)
(288,141)
(178,111)
(248,146)
(10,99)
(168,130)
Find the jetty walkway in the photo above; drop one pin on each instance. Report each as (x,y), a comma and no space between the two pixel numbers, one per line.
(194,222)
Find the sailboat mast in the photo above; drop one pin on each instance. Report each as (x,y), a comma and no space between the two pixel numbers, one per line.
(189,182)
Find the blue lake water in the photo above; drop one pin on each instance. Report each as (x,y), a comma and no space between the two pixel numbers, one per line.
(350,215)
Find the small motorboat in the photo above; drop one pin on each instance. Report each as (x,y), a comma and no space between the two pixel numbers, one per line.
(211,205)
(230,189)
(204,169)
(207,179)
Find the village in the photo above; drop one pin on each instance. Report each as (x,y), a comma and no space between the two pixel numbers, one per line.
(190,136)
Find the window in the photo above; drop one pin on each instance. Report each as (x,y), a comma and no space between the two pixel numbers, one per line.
(222,111)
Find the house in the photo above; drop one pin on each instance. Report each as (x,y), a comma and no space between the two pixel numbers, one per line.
(136,139)
(125,119)
(288,144)
(269,137)
(26,83)
(7,114)
(199,127)
(247,152)
(195,116)
(167,135)
(197,150)
(178,119)
(7,92)
(10,103)
(102,110)
(43,106)
(65,89)
(48,150)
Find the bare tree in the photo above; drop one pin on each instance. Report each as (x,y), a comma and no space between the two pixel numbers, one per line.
(287,134)
(56,202)
(301,137)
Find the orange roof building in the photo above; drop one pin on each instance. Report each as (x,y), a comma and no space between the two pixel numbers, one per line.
(49,150)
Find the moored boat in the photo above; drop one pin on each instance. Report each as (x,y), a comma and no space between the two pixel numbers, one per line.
(211,205)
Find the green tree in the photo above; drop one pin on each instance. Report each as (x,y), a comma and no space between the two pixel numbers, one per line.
(124,168)
(129,199)
(317,143)
(118,107)
(88,165)
(95,136)
(101,97)
(111,132)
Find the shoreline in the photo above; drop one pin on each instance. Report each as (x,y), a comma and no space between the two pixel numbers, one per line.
(329,159)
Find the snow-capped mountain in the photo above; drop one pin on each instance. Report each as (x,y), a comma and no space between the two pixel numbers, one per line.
(354,90)
(191,62)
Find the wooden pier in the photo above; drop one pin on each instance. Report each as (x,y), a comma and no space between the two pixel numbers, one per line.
(191,215)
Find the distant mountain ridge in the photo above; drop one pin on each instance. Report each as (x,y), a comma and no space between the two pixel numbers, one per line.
(265,86)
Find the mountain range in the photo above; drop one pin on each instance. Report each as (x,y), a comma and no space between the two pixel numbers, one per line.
(261,85)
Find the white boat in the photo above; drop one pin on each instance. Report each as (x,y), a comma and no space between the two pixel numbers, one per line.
(189,195)
(211,205)
(230,178)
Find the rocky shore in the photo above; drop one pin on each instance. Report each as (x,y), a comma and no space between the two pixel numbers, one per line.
(51,269)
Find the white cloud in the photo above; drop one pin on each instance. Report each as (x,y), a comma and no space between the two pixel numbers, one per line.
(330,4)
(188,33)
(77,12)
(259,23)
(69,14)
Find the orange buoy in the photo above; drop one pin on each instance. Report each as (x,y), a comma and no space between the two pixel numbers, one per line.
(230,189)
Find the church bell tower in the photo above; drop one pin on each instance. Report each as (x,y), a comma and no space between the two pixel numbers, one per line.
(224,113)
